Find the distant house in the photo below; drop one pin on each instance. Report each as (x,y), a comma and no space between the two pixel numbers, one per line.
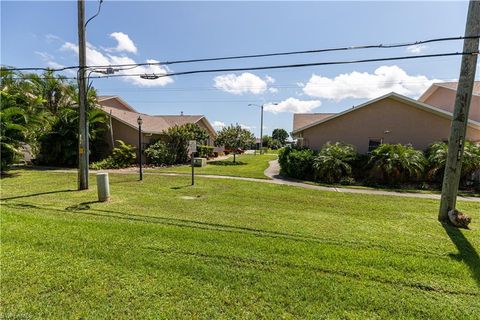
(392,118)
(124,125)
(442,95)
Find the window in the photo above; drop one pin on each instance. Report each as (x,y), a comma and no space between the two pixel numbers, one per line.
(373,143)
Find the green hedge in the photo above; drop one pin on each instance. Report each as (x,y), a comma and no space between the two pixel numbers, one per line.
(296,162)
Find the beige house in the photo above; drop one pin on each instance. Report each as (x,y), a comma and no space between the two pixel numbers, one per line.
(124,124)
(392,118)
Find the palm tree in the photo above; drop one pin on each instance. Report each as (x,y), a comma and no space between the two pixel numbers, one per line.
(397,162)
(334,162)
(12,134)
(437,158)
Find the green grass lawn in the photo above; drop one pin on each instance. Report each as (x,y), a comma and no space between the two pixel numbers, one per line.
(229,249)
(248,166)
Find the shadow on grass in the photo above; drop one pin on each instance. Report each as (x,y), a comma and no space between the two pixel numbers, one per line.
(181,187)
(37,194)
(6,175)
(227,163)
(466,252)
(84,209)
(247,261)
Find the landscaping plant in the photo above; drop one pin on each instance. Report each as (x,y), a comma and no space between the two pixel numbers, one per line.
(334,163)
(437,156)
(123,155)
(395,163)
(296,163)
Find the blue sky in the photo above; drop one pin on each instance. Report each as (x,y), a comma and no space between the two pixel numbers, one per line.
(45,34)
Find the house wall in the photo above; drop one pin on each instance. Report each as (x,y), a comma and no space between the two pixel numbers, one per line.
(406,125)
(129,135)
(444,98)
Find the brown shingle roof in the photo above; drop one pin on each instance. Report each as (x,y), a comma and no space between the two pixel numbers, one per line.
(301,120)
(151,124)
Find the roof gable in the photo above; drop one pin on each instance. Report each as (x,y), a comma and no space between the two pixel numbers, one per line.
(395,96)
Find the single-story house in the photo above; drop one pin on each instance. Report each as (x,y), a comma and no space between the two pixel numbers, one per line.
(124,126)
(392,118)
(442,95)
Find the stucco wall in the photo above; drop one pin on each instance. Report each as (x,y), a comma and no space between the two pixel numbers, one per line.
(445,99)
(406,125)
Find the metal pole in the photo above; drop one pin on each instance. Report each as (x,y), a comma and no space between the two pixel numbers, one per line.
(140,150)
(193,169)
(261,129)
(82,99)
(456,143)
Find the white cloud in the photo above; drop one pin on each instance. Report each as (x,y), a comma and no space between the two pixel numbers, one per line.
(417,48)
(244,126)
(293,105)
(219,124)
(124,43)
(244,83)
(97,58)
(273,90)
(361,85)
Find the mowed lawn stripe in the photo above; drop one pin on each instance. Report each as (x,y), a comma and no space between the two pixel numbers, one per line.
(150,253)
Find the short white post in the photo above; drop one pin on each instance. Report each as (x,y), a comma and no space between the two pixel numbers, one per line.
(103,187)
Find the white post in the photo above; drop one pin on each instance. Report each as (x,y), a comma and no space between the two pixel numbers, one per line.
(103,187)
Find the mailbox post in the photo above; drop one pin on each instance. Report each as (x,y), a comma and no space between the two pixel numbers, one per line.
(192,148)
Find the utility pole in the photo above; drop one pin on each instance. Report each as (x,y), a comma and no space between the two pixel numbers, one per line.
(261,130)
(82,101)
(456,143)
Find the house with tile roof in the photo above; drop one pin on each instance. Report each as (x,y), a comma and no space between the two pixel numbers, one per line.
(391,118)
(123,118)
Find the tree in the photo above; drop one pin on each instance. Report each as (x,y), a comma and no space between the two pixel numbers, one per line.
(266,141)
(175,142)
(12,135)
(234,137)
(334,162)
(281,135)
(437,158)
(397,162)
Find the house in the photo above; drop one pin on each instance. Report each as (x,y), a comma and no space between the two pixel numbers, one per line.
(124,126)
(392,118)
(442,95)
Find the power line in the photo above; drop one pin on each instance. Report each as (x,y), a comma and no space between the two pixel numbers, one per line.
(344,48)
(300,65)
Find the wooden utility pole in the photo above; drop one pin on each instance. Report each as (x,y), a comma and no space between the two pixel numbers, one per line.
(456,143)
(82,101)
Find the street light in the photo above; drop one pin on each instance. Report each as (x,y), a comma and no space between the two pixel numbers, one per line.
(261,120)
(140,121)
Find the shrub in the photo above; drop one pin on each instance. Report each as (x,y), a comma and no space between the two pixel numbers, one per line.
(334,162)
(176,139)
(396,163)
(159,153)
(205,151)
(122,156)
(296,163)
(437,156)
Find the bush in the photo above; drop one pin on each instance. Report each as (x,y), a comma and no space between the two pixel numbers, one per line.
(334,162)
(296,163)
(205,151)
(122,156)
(395,163)
(437,156)
(159,154)
(176,139)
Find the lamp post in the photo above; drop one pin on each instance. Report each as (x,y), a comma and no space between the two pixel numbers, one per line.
(261,121)
(140,121)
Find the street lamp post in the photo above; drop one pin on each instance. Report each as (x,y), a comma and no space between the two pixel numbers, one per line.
(261,121)
(140,121)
